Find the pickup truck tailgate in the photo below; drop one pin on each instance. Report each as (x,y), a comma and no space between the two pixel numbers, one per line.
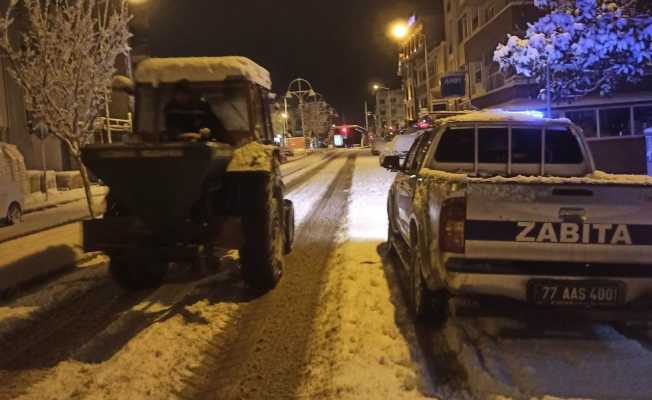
(599,223)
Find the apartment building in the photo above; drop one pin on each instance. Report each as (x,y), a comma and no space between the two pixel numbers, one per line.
(390,109)
(471,31)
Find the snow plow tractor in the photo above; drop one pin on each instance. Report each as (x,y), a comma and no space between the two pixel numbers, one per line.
(199,173)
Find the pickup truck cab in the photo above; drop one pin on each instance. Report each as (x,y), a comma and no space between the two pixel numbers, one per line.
(506,209)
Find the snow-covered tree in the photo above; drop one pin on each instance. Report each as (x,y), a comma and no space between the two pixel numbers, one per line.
(64,58)
(589,46)
(317,118)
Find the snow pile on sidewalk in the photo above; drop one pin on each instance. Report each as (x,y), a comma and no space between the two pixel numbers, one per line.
(506,358)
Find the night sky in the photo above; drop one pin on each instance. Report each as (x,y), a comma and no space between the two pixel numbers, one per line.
(340,46)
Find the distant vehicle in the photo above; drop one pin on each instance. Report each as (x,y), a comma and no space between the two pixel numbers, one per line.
(351,135)
(12,199)
(400,145)
(174,200)
(507,210)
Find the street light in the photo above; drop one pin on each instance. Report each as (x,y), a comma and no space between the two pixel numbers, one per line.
(302,90)
(399,30)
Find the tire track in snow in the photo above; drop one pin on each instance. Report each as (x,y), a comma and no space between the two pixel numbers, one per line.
(264,355)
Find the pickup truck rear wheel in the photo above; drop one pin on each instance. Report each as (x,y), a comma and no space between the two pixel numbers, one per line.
(137,273)
(261,255)
(427,306)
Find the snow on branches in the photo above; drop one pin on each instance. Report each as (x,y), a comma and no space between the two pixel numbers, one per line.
(589,45)
(63,55)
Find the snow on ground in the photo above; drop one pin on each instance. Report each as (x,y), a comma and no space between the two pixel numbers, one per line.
(172,331)
(307,194)
(507,358)
(359,352)
(151,349)
(34,305)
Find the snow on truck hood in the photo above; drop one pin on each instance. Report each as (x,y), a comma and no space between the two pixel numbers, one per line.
(201,69)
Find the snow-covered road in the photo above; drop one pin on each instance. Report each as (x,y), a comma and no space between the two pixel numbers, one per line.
(335,328)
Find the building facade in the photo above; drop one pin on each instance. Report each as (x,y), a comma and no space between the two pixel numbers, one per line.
(472,29)
(390,109)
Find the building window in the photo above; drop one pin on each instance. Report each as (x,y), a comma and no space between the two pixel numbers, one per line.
(382,102)
(475,22)
(489,13)
(615,122)
(393,100)
(461,29)
(642,119)
(478,74)
(448,6)
(585,119)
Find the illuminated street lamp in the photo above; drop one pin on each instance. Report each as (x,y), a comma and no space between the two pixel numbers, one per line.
(399,30)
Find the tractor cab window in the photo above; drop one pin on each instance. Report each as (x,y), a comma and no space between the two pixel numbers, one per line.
(221,112)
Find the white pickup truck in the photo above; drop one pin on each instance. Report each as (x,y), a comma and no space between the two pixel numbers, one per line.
(508,210)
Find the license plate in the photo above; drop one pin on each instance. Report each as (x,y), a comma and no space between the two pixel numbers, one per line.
(572,293)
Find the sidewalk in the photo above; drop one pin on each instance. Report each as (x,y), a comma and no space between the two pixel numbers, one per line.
(60,208)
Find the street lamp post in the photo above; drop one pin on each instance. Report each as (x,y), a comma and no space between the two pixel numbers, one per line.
(302,90)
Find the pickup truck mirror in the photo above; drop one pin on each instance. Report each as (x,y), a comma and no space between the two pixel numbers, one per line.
(391,162)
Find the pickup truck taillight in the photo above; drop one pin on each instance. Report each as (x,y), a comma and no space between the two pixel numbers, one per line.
(451,225)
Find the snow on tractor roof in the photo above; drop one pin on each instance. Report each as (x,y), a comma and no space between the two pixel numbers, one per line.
(502,116)
(201,69)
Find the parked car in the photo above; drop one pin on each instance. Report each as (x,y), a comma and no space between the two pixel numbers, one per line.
(507,210)
(11,200)
(12,176)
